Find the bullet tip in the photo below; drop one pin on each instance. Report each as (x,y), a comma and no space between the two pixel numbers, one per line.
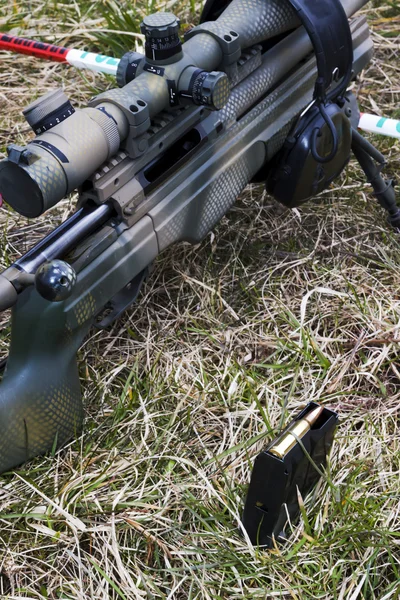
(312,416)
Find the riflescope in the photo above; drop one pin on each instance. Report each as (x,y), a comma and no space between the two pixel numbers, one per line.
(71,144)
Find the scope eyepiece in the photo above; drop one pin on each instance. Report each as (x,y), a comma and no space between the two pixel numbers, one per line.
(70,145)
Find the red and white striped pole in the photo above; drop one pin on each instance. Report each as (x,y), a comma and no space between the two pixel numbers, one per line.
(77,58)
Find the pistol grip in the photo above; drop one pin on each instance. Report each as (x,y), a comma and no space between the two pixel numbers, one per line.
(40,397)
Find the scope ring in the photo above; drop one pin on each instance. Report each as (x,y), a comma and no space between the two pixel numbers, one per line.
(228,40)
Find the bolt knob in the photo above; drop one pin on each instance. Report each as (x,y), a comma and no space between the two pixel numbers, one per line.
(210,89)
(54,280)
(162,43)
(48,110)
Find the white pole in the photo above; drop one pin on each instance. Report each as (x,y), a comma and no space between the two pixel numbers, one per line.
(380,125)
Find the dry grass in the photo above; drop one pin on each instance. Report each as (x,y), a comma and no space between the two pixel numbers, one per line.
(228,338)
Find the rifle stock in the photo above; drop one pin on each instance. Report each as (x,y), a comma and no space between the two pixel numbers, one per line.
(40,396)
(40,399)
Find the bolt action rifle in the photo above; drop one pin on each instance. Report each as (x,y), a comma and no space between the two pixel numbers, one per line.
(257,92)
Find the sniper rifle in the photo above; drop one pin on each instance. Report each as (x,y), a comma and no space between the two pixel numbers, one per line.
(257,92)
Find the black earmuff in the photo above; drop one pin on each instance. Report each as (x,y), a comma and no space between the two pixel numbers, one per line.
(318,147)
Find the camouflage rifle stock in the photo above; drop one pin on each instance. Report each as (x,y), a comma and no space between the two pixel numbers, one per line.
(151,171)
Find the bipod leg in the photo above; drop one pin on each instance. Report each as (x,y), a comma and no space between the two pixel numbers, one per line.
(372,162)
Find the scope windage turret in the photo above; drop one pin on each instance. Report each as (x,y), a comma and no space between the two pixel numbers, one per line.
(70,145)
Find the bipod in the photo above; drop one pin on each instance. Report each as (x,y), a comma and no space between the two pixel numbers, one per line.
(372,163)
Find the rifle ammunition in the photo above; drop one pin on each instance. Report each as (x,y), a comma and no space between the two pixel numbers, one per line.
(297,431)
(284,469)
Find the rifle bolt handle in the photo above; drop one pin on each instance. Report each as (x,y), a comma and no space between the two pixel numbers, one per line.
(8,294)
(55,280)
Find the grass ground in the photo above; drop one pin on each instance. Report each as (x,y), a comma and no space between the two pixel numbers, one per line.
(229,339)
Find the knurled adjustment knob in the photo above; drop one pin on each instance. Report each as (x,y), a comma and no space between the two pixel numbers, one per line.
(127,67)
(162,43)
(48,111)
(210,89)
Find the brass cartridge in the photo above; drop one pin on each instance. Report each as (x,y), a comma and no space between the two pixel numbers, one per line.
(289,438)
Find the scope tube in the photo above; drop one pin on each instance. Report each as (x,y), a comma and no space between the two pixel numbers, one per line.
(254,21)
(272,69)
